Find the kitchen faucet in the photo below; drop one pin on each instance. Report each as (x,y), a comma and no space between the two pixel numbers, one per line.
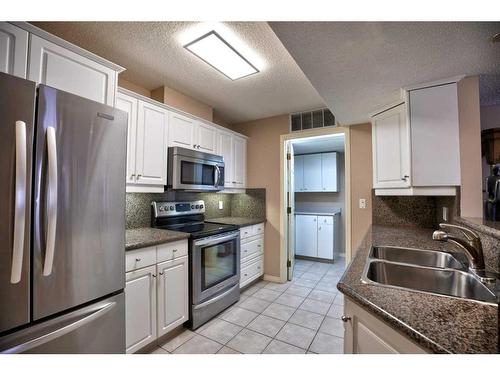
(471,246)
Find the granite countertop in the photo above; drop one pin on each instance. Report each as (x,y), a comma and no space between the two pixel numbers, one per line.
(486,226)
(144,237)
(330,213)
(239,221)
(438,323)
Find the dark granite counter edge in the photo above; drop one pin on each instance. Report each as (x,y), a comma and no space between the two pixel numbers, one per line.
(227,220)
(484,228)
(171,236)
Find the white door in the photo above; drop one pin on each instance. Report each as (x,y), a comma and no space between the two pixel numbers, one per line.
(13,50)
(290,195)
(329,181)
(151,160)
(325,237)
(206,138)
(312,172)
(225,149)
(306,235)
(391,151)
(181,131)
(173,294)
(299,172)
(140,308)
(239,161)
(129,104)
(65,70)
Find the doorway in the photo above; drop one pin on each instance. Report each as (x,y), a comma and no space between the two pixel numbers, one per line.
(315,207)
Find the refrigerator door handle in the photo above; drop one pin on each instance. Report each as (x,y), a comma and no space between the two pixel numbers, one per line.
(64,330)
(20,203)
(52,202)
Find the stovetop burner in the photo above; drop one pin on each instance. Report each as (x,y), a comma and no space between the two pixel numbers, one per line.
(186,217)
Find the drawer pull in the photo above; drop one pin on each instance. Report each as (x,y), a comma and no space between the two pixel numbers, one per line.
(161,273)
(153,275)
(258,268)
(244,251)
(245,274)
(258,246)
(246,232)
(345,318)
(137,259)
(174,250)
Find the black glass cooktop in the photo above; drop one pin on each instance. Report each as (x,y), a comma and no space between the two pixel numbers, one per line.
(199,229)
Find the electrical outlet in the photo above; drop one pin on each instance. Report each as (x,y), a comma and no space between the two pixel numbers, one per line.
(221,205)
(362,203)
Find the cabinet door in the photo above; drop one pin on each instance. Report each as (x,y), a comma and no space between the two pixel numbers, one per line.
(391,151)
(312,172)
(129,104)
(225,149)
(140,308)
(329,172)
(151,159)
(298,170)
(325,237)
(206,138)
(181,131)
(306,235)
(239,162)
(13,50)
(172,294)
(435,136)
(65,70)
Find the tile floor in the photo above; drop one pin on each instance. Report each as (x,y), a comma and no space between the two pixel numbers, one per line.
(301,316)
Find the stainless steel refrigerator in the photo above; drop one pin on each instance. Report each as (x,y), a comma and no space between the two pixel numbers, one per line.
(62,221)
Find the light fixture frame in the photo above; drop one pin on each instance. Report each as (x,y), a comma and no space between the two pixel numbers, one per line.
(213,32)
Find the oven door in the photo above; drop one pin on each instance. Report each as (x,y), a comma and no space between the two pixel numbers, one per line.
(215,265)
(197,174)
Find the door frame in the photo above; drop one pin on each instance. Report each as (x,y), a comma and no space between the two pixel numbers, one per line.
(284,228)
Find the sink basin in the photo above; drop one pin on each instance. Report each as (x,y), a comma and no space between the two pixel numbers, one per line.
(427,258)
(448,282)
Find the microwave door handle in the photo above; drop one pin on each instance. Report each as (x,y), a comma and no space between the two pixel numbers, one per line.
(20,203)
(52,202)
(217,176)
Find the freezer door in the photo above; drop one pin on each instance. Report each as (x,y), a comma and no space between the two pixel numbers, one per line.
(17,110)
(79,208)
(95,329)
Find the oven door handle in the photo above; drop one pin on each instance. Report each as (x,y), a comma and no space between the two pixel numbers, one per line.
(215,299)
(216,239)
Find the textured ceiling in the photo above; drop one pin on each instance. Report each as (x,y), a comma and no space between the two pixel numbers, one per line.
(489,89)
(153,55)
(321,144)
(357,67)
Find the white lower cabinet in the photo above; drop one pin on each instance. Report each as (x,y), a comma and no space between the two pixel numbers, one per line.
(173,294)
(364,333)
(156,292)
(251,253)
(315,236)
(140,306)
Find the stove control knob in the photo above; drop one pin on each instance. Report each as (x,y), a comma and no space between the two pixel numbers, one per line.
(197,206)
(192,206)
(160,208)
(165,208)
(201,206)
(171,208)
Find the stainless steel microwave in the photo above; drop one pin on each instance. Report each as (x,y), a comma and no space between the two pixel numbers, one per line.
(192,170)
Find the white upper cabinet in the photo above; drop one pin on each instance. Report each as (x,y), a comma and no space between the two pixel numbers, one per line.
(415,144)
(182,131)
(129,104)
(58,67)
(151,149)
(239,162)
(13,50)
(205,138)
(390,143)
(312,172)
(298,171)
(329,172)
(225,149)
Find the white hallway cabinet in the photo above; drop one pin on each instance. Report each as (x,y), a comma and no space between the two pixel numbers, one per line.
(316,236)
(316,172)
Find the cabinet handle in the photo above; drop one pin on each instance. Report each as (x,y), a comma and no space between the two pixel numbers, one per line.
(258,268)
(319,228)
(139,176)
(245,274)
(194,146)
(198,147)
(153,275)
(161,273)
(314,220)
(258,245)
(132,175)
(244,251)
(405,177)
(345,318)
(137,259)
(174,250)
(234,182)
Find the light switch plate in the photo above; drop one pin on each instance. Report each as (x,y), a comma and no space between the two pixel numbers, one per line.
(362,203)
(221,205)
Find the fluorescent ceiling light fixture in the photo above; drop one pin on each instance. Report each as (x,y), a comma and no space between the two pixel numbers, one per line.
(218,53)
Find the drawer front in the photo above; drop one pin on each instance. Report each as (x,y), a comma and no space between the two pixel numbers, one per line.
(325,220)
(251,271)
(251,248)
(172,250)
(246,232)
(258,229)
(140,258)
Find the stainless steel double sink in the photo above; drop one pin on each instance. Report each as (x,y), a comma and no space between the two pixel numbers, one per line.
(429,271)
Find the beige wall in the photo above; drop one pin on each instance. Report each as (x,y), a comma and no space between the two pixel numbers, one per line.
(183,102)
(263,171)
(361,181)
(133,87)
(470,147)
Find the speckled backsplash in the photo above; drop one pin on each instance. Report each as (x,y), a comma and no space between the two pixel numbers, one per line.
(250,204)
(412,211)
